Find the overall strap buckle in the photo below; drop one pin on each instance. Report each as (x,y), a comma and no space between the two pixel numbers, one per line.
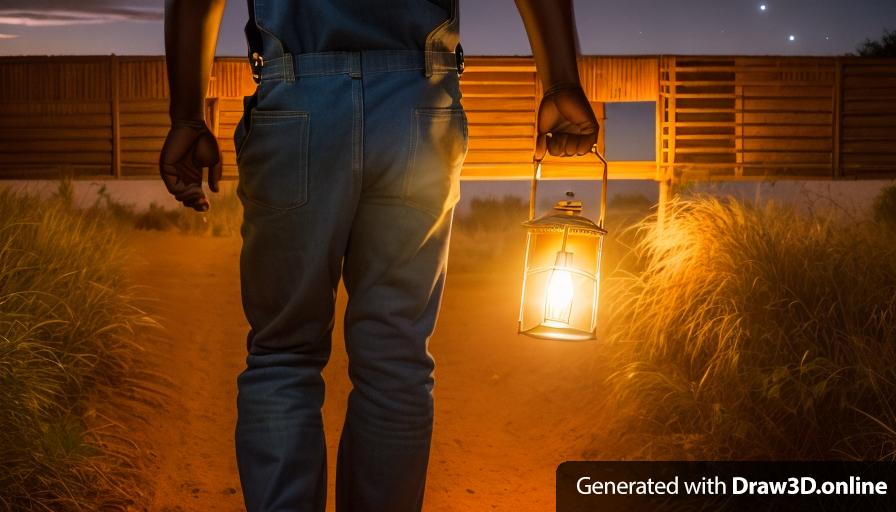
(257,64)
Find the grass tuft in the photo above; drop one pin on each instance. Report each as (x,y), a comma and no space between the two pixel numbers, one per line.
(753,332)
(69,322)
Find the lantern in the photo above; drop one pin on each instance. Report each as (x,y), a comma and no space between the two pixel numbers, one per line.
(561,279)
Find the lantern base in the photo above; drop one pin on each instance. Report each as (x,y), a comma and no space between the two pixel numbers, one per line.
(546,332)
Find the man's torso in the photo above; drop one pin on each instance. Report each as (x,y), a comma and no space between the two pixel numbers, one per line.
(308,26)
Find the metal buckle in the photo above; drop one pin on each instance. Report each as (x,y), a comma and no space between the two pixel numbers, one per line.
(257,64)
(459,57)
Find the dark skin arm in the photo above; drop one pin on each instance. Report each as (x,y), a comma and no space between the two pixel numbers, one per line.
(566,124)
(191,33)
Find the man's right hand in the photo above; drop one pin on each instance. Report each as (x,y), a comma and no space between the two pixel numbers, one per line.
(566,123)
(189,148)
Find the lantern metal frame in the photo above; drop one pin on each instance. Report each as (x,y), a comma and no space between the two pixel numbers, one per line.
(574,225)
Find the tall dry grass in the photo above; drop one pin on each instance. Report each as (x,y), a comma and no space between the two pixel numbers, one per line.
(752,332)
(70,365)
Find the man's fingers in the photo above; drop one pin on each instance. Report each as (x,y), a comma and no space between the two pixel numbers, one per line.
(207,154)
(187,151)
(200,205)
(169,177)
(572,142)
(557,144)
(541,146)
(564,144)
(190,196)
(189,192)
(214,174)
(584,145)
(570,120)
(588,127)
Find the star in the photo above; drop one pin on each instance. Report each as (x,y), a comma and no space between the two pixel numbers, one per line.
(791,37)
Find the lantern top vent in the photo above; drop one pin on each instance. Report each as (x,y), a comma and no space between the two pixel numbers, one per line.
(571,207)
(566,215)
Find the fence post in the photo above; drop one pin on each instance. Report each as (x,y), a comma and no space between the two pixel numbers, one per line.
(116,115)
(836,171)
(665,195)
(659,118)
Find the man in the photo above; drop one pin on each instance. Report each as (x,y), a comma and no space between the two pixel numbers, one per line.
(349,155)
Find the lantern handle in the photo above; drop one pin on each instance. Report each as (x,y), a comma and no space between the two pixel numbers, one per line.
(603,187)
(536,176)
(533,189)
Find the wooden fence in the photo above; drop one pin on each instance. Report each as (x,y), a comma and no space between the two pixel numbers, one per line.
(777,117)
(728,118)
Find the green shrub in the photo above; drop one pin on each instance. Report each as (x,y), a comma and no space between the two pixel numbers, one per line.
(68,359)
(746,332)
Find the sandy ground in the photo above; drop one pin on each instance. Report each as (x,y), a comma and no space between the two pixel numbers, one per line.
(508,408)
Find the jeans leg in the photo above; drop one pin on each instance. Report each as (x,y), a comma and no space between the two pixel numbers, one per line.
(279,437)
(298,189)
(394,272)
(395,279)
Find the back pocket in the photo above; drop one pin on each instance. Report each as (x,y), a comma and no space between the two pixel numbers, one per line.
(437,151)
(273,159)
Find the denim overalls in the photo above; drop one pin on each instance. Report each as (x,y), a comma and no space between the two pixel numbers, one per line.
(349,166)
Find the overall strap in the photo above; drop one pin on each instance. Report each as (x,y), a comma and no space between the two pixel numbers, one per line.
(445,38)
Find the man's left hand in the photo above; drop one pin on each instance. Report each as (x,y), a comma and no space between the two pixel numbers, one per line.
(190,147)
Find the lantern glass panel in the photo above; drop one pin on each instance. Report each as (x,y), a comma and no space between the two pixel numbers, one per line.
(561,283)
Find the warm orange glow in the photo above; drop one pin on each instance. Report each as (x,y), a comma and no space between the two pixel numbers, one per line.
(558,299)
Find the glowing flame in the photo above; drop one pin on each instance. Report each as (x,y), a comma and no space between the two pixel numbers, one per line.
(558,301)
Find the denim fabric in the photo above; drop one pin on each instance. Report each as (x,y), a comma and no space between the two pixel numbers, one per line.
(349,167)
(314,26)
(279,27)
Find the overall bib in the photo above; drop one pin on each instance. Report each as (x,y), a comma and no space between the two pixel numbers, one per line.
(349,163)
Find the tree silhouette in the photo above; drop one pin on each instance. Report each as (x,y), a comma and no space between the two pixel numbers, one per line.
(885,47)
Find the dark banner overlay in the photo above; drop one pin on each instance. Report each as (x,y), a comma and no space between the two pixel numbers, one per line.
(753,486)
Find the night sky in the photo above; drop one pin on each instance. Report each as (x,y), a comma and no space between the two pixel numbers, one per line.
(817,27)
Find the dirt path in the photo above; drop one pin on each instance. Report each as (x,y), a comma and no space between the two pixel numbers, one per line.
(508,408)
